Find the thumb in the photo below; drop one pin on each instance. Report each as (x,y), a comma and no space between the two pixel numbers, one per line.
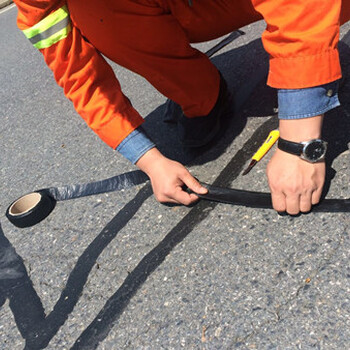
(193,184)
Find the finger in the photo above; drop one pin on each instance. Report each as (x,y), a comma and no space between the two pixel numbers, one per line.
(167,199)
(306,202)
(278,201)
(193,184)
(293,204)
(316,196)
(183,197)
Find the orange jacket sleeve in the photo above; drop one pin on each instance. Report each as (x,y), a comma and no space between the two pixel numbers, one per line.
(301,38)
(86,78)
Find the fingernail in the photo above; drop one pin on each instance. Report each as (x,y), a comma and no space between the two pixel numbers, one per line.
(203,190)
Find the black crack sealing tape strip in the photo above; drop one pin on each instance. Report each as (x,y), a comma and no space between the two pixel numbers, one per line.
(116,183)
(263,200)
(224,42)
(36,206)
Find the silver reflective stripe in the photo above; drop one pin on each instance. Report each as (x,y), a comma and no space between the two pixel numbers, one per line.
(50,31)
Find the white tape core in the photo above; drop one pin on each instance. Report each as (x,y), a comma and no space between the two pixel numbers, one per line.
(24,204)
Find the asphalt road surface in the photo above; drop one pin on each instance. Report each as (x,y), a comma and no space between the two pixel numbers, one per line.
(121,271)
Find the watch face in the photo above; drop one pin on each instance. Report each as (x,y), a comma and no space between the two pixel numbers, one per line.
(315,150)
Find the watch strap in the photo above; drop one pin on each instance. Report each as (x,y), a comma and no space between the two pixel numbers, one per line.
(290,147)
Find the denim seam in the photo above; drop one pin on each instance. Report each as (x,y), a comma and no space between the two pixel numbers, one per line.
(308,115)
(331,85)
(295,91)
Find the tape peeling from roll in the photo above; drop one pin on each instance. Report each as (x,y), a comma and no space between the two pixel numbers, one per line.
(32,208)
(36,206)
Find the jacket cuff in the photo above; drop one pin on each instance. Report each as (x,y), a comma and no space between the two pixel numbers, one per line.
(135,145)
(309,102)
(304,71)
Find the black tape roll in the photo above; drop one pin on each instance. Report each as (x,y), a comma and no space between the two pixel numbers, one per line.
(31,208)
(36,206)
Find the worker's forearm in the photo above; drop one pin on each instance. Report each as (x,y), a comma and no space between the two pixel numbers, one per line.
(299,130)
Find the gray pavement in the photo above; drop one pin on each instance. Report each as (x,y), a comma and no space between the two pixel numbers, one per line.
(121,271)
(4,3)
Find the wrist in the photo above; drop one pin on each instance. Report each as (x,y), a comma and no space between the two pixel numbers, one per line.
(148,160)
(312,151)
(299,130)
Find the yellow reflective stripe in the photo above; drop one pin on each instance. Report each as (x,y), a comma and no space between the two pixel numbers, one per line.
(50,31)
(47,22)
(63,33)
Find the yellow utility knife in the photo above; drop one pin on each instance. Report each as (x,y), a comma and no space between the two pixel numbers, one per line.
(265,147)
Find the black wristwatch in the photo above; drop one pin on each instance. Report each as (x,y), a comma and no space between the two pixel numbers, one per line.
(312,151)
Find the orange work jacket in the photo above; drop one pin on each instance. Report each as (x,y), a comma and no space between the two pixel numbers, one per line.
(301,38)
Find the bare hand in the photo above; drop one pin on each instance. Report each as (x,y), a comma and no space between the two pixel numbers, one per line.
(168,177)
(295,184)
